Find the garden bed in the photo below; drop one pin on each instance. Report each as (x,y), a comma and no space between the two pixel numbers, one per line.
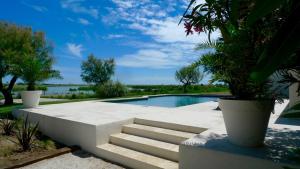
(12,155)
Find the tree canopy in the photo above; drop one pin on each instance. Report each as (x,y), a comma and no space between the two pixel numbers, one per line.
(15,43)
(188,75)
(97,71)
(37,65)
(23,54)
(242,53)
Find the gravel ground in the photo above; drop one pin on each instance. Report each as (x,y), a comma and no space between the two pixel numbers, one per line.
(75,160)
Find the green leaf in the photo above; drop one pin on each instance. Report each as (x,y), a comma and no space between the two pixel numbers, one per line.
(189,6)
(282,46)
(234,11)
(293,112)
(262,8)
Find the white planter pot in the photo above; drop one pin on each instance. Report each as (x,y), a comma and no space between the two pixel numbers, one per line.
(294,95)
(31,99)
(246,121)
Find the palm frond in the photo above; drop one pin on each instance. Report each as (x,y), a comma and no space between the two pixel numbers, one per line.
(207,45)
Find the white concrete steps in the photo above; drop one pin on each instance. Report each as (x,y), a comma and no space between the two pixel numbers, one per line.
(167,125)
(134,159)
(157,133)
(147,144)
(153,147)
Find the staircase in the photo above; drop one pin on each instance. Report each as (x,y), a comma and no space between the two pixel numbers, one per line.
(147,144)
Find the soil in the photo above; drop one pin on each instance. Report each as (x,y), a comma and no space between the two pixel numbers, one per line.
(12,154)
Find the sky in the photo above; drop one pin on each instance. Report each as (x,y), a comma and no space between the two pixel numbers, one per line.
(143,36)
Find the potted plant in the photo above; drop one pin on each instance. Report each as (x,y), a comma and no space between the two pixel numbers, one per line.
(293,77)
(37,67)
(294,94)
(246,113)
(235,60)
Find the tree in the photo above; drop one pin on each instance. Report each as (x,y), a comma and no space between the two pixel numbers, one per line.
(188,75)
(15,43)
(97,71)
(37,65)
(240,51)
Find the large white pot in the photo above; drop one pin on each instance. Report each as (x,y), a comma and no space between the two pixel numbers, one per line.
(246,121)
(31,99)
(294,95)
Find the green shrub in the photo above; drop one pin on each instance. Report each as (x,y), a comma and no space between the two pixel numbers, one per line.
(45,142)
(72,89)
(18,95)
(85,88)
(25,133)
(73,96)
(111,89)
(7,126)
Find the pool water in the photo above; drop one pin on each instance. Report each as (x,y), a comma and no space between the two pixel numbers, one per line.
(170,101)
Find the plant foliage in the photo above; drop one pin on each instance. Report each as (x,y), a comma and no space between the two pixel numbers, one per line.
(7,126)
(283,51)
(97,71)
(188,75)
(15,42)
(111,89)
(25,133)
(37,65)
(238,53)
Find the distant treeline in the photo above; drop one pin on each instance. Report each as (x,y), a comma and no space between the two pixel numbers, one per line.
(140,90)
(23,87)
(176,89)
(145,88)
(85,88)
(54,85)
(135,90)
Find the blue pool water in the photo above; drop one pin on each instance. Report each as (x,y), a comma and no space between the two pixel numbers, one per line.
(170,101)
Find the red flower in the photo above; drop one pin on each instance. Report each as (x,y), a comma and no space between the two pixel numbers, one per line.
(188,28)
(198,28)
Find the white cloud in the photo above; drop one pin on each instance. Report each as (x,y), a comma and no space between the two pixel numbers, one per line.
(124,3)
(170,47)
(137,26)
(160,56)
(146,58)
(36,7)
(169,31)
(70,19)
(75,50)
(84,21)
(76,6)
(114,36)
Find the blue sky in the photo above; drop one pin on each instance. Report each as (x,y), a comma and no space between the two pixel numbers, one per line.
(142,36)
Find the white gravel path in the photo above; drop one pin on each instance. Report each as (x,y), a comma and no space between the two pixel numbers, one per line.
(75,160)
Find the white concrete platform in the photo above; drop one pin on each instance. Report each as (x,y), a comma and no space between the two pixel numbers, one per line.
(90,124)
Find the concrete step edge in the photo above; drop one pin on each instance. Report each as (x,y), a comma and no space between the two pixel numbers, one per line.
(161,134)
(153,147)
(172,126)
(133,159)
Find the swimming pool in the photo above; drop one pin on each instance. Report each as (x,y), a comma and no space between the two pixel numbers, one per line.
(169,101)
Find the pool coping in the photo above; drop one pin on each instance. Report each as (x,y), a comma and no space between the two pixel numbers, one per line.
(145,97)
